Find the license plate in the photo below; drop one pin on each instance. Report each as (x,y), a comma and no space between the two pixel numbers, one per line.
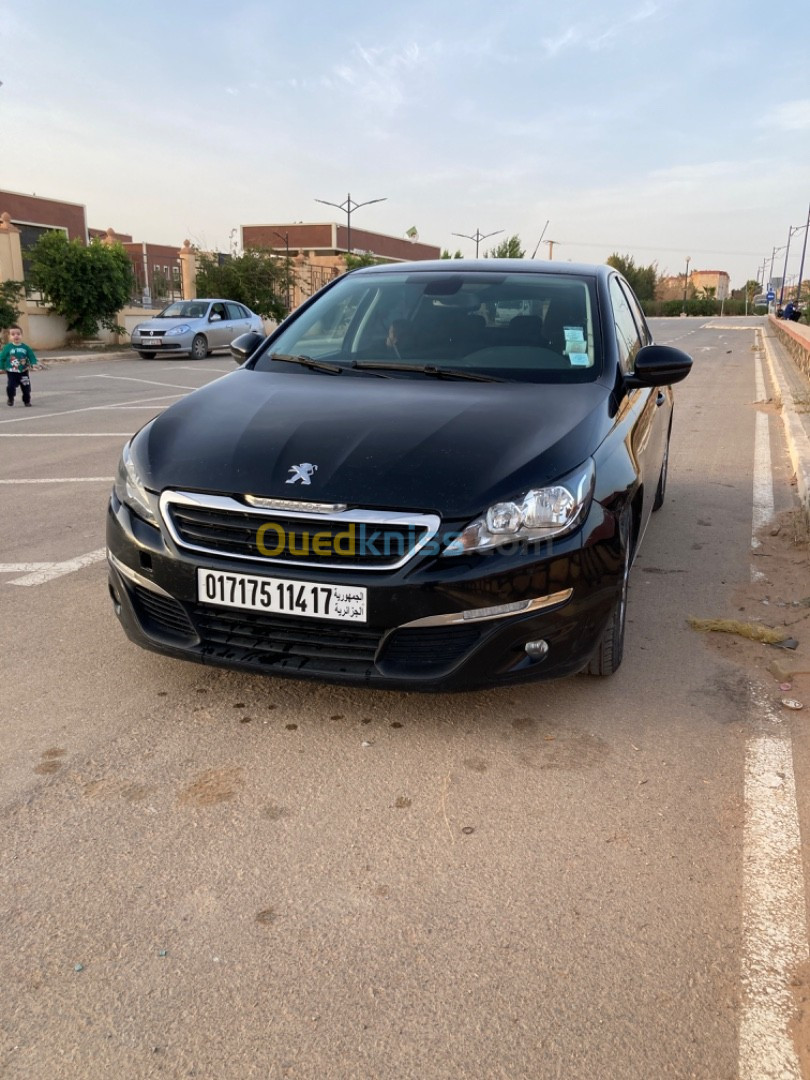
(151,341)
(281,596)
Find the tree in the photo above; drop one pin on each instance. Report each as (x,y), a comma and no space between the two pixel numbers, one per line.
(255,278)
(641,279)
(446,254)
(87,286)
(10,293)
(354,262)
(507,249)
(160,285)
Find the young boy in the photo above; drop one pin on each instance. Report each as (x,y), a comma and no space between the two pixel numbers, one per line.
(15,359)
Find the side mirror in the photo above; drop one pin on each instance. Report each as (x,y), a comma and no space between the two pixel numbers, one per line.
(658,365)
(215,318)
(243,347)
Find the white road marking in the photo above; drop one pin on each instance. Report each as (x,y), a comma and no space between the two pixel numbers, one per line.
(190,367)
(22,567)
(149,382)
(774,922)
(763,507)
(48,571)
(63,480)
(87,408)
(65,434)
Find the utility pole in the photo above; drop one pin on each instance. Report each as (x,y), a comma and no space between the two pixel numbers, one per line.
(551,244)
(804,250)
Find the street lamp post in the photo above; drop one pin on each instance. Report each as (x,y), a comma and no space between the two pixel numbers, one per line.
(685,284)
(479,236)
(286,238)
(348,206)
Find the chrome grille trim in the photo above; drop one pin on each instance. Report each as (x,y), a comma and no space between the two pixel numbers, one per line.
(373,518)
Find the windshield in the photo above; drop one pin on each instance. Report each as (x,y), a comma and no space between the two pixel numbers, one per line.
(184,309)
(531,327)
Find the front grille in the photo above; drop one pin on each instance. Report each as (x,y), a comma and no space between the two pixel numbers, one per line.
(313,542)
(428,648)
(270,642)
(161,612)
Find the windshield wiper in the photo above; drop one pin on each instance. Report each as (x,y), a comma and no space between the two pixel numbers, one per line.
(425,369)
(308,362)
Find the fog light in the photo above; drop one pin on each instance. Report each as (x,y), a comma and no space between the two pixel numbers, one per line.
(536,649)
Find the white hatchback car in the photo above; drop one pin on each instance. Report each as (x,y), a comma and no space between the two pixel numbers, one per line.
(194,327)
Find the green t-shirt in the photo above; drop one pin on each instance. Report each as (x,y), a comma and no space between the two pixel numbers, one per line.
(17,357)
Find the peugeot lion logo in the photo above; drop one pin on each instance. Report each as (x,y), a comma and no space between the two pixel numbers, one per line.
(302,472)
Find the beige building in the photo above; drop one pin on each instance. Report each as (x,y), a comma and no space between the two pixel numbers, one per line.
(718,280)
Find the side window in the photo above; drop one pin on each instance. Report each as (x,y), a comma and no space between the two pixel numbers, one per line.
(627,339)
(234,311)
(638,314)
(217,309)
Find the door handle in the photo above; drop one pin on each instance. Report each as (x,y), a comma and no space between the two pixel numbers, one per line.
(662,397)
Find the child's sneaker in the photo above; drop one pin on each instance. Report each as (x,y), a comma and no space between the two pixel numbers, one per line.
(10,404)
(27,404)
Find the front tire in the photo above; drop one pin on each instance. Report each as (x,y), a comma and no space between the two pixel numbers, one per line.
(610,650)
(146,355)
(199,347)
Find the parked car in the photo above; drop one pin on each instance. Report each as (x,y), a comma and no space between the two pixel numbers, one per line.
(398,488)
(195,327)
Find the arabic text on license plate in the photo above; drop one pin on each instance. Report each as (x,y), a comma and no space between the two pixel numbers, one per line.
(281,596)
(152,341)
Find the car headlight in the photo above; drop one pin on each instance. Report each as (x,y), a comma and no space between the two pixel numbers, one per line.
(130,490)
(539,514)
(177,330)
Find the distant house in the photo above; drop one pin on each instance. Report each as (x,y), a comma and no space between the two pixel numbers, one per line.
(718,280)
(34,216)
(329,241)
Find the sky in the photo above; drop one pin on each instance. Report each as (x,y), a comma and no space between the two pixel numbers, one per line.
(659,129)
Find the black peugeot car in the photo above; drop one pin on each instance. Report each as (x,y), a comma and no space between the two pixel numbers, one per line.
(433,475)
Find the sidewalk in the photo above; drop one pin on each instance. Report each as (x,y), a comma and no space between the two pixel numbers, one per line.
(68,355)
(793,394)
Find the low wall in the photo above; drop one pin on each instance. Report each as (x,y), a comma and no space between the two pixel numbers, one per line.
(45,330)
(796,339)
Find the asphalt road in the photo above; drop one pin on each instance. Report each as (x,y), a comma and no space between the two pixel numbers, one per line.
(219,875)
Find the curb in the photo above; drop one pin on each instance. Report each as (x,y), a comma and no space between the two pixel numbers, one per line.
(797,438)
(76,358)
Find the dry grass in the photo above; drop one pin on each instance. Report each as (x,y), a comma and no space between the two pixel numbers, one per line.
(752,631)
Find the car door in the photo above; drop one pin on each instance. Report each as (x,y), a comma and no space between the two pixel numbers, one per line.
(238,320)
(650,406)
(218,332)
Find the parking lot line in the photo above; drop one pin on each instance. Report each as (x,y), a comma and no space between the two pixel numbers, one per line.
(149,382)
(62,480)
(65,434)
(49,571)
(88,408)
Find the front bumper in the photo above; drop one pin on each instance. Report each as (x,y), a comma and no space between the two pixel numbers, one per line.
(575,581)
(177,347)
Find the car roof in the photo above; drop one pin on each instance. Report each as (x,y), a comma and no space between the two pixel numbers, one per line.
(511,266)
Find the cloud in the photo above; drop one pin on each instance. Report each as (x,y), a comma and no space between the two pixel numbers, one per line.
(790,116)
(601,35)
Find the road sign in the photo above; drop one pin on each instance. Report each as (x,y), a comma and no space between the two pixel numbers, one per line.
(771,295)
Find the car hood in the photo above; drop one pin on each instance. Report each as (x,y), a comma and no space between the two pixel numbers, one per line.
(448,446)
(165,324)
